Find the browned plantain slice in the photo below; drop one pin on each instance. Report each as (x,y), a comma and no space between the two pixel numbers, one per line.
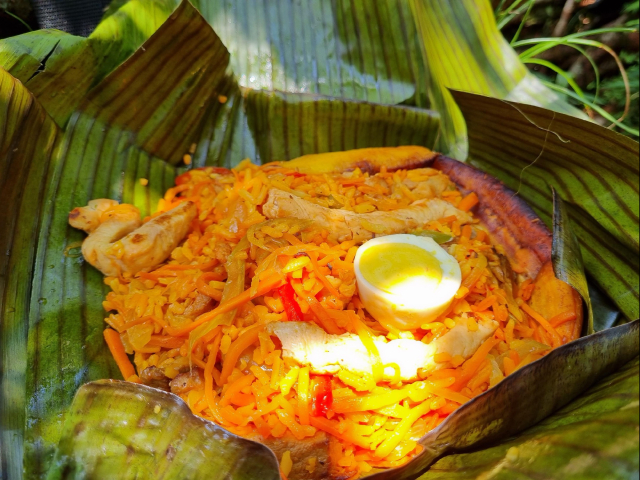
(509,219)
(366,159)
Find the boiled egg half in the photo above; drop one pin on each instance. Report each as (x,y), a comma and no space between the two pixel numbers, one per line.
(405,280)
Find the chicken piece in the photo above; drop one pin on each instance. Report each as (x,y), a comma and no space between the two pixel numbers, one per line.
(345,225)
(118,242)
(308,344)
(90,217)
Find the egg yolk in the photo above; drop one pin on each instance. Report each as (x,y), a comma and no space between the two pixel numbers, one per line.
(400,268)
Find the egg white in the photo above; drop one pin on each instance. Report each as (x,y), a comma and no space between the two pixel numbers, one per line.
(417,303)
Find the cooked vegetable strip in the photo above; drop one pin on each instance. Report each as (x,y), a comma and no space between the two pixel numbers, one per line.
(120,356)
(291,307)
(265,286)
(542,321)
(236,349)
(401,430)
(474,363)
(468,202)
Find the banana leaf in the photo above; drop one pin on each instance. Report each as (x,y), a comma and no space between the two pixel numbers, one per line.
(595,170)
(151,434)
(466,29)
(595,437)
(111,123)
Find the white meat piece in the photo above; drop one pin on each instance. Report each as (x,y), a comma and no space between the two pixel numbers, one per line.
(310,345)
(119,243)
(346,225)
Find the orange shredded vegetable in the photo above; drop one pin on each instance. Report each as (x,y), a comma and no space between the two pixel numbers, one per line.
(119,355)
(468,202)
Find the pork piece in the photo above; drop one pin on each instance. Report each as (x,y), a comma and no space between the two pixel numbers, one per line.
(119,243)
(200,305)
(301,451)
(346,225)
(310,345)
(155,377)
(187,381)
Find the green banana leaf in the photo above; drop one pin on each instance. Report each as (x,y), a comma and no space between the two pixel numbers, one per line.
(151,434)
(136,122)
(595,437)
(466,29)
(568,264)
(595,170)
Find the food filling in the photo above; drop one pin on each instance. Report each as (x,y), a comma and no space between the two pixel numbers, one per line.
(336,318)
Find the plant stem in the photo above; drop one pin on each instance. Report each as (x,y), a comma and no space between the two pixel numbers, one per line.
(524,20)
(565,16)
(19,19)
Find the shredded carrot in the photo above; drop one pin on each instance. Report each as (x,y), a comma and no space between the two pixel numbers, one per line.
(500,313)
(476,273)
(402,429)
(369,402)
(275,373)
(447,220)
(323,317)
(562,318)
(202,284)
(303,395)
(555,338)
(332,428)
(471,366)
(468,202)
(466,233)
(235,388)
(235,350)
(197,248)
(367,339)
(119,355)
(509,366)
(486,303)
(140,320)
(313,256)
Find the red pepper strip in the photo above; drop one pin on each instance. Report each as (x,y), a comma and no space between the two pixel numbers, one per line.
(291,307)
(322,395)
